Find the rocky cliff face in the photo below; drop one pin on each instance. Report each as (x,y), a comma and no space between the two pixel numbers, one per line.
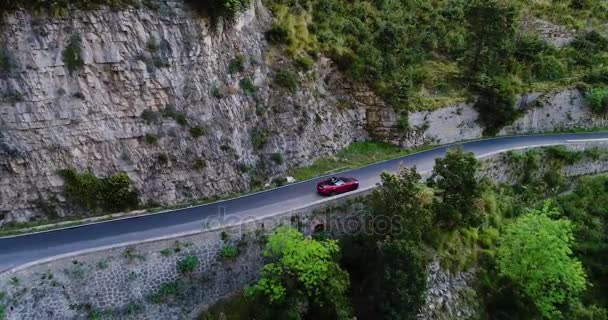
(154,62)
(540,112)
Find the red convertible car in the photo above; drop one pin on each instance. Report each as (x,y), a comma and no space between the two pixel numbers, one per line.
(335,186)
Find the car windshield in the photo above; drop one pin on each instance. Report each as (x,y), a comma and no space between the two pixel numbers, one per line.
(338,182)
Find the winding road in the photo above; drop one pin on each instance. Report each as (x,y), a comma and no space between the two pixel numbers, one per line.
(16,251)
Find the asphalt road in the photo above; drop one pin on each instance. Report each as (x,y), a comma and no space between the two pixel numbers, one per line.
(19,250)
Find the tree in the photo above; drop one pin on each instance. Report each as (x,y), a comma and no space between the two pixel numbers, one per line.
(396,208)
(457,190)
(303,276)
(492,25)
(535,253)
(403,280)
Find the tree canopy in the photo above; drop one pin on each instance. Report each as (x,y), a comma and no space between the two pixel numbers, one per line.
(535,252)
(303,276)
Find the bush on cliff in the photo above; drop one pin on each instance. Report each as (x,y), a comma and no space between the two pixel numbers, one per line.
(86,190)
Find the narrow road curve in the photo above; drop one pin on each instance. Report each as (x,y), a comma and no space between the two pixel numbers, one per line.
(19,250)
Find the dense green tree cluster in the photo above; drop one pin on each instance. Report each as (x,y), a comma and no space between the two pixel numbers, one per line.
(421,54)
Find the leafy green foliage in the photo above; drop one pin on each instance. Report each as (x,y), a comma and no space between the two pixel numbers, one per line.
(286,79)
(116,193)
(229,252)
(457,190)
(5,61)
(304,62)
(587,48)
(150,138)
(86,190)
(72,55)
(197,132)
(188,264)
(259,138)
(237,64)
(303,272)
(247,86)
(597,99)
(277,158)
(179,117)
(536,253)
(150,116)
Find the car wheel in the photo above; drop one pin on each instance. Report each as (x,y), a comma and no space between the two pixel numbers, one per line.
(356,187)
(333,193)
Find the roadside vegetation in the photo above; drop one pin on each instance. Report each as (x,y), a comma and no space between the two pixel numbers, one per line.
(423,55)
(355,155)
(502,231)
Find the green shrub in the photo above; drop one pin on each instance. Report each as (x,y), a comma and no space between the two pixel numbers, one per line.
(237,64)
(277,34)
(200,164)
(5,61)
(198,132)
(150,116)
(587,47)
(151,138)
(259,138)
(247,86)
(188,264)
(179,117)
(72,55)
(166,291)
(82,188)
(152,45)
(277,158)
(287,80)
(220,8)
(229,252)
(562,154)
(162,158)
(597,75)
(305,62)
(117,194)
(597,99)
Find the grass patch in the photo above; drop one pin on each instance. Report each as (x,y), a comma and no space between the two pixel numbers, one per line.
(287,79)
(355,155)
